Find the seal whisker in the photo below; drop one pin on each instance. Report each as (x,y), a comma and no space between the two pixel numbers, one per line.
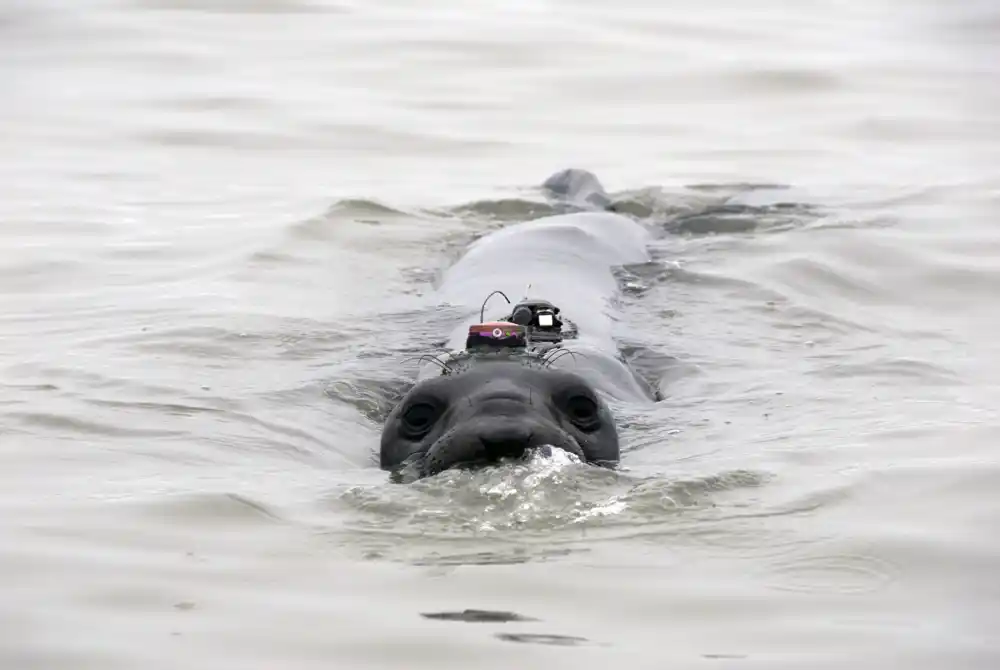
(430,358)
(556,355)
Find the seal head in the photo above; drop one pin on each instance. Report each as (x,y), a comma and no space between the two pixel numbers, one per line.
(497,409)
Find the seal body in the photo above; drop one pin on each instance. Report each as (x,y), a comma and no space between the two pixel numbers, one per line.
(578,188)
(494,406)
(567,259)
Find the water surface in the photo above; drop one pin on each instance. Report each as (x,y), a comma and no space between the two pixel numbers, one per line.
(221,222)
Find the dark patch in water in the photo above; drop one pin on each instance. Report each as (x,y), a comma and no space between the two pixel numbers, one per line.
(540,638)
(713,223)
(641,277)
(633,208)
(736,187)
(730,218)
(360,207)
(320,228)
(516,557)
(507,210)
(477,616)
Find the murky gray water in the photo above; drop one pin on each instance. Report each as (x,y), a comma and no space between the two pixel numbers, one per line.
(220,222)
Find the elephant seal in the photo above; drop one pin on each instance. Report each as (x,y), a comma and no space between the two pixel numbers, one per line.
(482,407)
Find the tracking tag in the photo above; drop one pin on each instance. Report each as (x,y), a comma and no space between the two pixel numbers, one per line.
(496,335)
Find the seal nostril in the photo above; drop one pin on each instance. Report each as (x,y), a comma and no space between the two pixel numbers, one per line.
(498,449)
(508,443)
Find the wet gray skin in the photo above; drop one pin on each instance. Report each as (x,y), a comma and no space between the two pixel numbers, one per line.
(493,407)
(496,409)
(578,187)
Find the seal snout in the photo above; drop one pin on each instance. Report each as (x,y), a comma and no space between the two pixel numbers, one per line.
(492,439)
(505,440)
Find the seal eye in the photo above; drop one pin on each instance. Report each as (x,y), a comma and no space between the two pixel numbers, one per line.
(418,419)
(583,412)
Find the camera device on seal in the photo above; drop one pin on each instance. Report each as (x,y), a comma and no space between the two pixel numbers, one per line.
(540,317)
(494,335)
(530,321)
